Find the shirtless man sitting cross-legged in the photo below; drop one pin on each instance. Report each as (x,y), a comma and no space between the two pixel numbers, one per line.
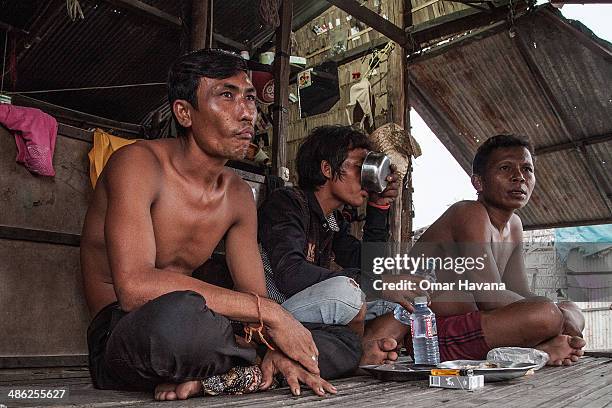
(504,178)
(158,211)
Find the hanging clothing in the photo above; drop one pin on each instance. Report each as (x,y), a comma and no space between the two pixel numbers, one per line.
(35,133)
(361,93)
(104,145)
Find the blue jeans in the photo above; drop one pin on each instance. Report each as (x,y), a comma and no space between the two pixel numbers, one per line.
(334,301)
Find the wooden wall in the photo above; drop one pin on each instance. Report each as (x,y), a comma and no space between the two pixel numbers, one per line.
(299,128)
(43,313)
(316,47)
(386,90)
(41,302)
(426,10)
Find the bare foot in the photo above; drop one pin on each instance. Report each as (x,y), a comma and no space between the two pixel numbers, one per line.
(171,392)
(379,351)
(577,343)
(563,349)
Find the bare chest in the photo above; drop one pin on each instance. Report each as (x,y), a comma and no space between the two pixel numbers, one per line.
(188,229)
(502,248)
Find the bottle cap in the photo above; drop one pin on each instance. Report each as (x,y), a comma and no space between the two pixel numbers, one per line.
(420,300)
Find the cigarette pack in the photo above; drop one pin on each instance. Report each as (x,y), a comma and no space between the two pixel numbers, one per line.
(460,382)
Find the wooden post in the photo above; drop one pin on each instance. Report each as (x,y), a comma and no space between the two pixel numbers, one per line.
(199,24)
(407,214)
(281,87)
(399,112)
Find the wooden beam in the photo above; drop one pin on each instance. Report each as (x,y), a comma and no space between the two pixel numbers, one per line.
(599,353)
(432,109)
(228,41)
(400,215)
(34,235)
(454,23)
(149,12)
(367,16)
(259,40)
(199,25)
(45,13)
(282,71)
(315,9)
(14,30)
(73,132)
(606,137)
(68,360)
(406,184)
(161,17)
(358,52)
(130,130)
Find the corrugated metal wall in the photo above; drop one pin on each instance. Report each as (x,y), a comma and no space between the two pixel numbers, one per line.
(484,85)
(547,274)
(598,325)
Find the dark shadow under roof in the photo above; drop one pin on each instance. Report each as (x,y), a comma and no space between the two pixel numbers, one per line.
(549,81)
(116,46)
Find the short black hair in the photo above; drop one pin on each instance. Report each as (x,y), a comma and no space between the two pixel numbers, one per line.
(496,142)
(332,144)
(185,74)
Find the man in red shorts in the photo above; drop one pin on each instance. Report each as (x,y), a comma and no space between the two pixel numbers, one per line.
(483,299)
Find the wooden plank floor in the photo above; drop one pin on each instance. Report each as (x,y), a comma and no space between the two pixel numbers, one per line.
(587,384)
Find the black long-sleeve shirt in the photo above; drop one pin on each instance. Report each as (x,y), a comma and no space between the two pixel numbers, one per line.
(301,242)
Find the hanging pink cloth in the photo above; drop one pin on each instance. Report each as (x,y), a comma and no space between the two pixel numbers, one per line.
(35,134)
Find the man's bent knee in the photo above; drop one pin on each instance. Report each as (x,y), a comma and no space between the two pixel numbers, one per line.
(186,326)
(175,324)
(547,319)
(336,300)
(340,350)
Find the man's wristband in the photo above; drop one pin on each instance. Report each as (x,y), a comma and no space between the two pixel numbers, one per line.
(379,206)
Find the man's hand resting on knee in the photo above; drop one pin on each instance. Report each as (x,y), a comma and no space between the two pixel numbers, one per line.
(294,340)
(276,362)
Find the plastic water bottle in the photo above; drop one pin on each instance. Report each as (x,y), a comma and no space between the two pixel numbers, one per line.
(401,315)
(424,334)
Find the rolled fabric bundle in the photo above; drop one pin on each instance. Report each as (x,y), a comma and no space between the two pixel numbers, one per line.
(396,143)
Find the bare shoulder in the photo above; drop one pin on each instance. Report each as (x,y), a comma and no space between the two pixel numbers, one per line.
(235,183)
(468,208)
(516,228)
(454,218)
(469,221)
(138,164)
(238,190)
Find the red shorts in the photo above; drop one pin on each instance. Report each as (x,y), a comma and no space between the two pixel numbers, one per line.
(461,338)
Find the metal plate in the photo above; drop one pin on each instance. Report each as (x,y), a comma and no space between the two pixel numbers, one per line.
(504,370)
(397,372)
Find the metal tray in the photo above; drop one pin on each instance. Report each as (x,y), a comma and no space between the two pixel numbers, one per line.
(398,372)
(506,370)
